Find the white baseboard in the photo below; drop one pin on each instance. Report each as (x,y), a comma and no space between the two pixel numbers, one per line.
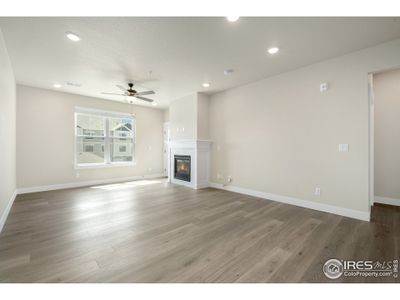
(346,212)
(201,186)
(70,185)
(4,216)
(387,200)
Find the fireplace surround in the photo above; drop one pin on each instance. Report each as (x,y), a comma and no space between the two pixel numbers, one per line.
(197,175)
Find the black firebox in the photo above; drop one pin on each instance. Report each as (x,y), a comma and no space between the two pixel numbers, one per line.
(182,167)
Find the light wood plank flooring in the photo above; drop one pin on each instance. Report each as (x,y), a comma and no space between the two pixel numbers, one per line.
(152,231)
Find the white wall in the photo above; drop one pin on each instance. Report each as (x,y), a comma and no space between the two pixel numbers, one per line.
(202,117)
(166,115)
(45,138)
(280,135)
(189,117)
(183,118)
(7,133)
(387,134)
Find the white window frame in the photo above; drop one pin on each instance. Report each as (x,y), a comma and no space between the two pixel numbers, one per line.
(107,138)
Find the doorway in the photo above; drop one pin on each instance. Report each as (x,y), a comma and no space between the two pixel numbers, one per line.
(166,137)
(384,92)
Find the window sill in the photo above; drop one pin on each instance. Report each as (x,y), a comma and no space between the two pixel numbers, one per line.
(100,166)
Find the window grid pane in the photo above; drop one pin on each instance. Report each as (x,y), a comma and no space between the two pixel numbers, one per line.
(90,125)
(90,150)
(121,150)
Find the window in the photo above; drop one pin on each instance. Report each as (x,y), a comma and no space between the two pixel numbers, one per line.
(89,148)
(103,138)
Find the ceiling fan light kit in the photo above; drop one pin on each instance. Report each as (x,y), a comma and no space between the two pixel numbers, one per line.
(130,92)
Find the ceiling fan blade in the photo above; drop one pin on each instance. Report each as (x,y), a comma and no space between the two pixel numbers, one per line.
(114,94)
(145,93)
(121,87)
(145,99)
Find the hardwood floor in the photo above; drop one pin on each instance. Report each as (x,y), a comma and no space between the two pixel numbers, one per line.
(151,231)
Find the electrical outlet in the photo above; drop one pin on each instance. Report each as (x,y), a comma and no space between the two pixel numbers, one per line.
(229,179)
(317,191)
(78,175)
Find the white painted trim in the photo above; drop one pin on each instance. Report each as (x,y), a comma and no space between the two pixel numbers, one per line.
(104,165)
(371,136)
(387,200)
(4,216)
(70,185)
(201,186)
(346,212)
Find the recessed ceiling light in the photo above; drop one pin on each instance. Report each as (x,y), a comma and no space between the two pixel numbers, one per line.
(57,85)
(73,37)
(74,84)
(232,18)
(228,72)
(273,50)
(206,84)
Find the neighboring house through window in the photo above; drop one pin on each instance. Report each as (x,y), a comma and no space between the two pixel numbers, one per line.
(103,138)
(89,147)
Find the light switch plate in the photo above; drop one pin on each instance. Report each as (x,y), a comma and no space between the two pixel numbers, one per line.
(323,87)
(343,147)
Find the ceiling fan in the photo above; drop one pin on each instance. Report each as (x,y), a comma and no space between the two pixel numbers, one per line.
(130,92)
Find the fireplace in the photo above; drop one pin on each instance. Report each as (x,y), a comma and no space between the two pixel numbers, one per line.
(189,163)
(182,167)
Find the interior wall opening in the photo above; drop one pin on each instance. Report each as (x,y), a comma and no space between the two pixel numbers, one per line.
(385,146)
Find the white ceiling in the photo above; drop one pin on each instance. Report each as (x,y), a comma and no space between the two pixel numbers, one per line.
(182,53)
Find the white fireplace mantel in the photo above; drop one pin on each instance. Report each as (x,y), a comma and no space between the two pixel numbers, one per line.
(199,151)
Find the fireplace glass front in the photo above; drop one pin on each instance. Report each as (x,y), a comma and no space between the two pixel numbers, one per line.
(182,167)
